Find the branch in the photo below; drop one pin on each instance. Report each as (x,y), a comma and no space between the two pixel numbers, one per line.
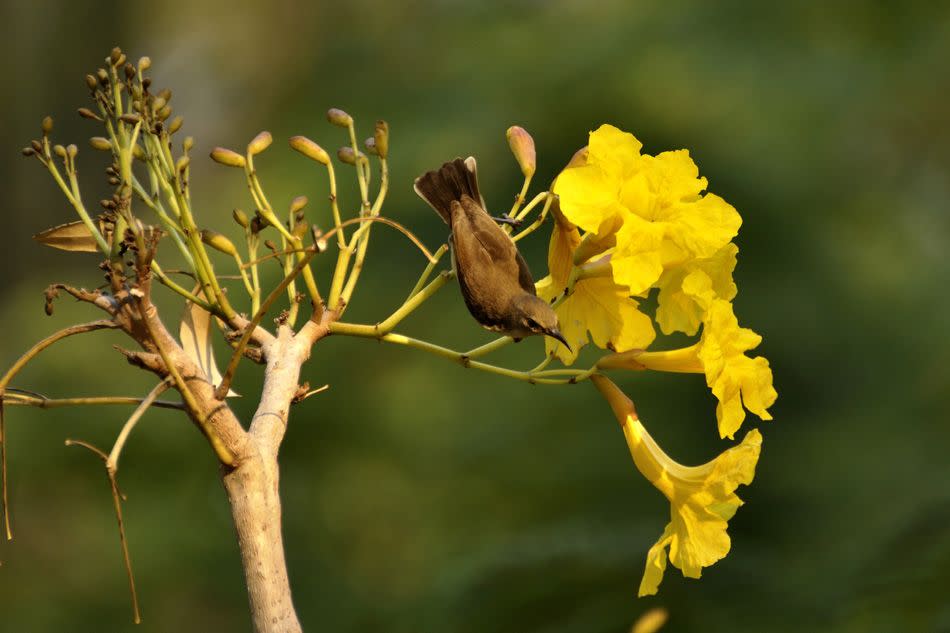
(11,373)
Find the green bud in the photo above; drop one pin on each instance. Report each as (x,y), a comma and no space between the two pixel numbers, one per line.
(381,136)
(182,163)
(166,94)
(218,242)
(60,151)
(188,143)
(241,218)
(164,113)
(71,151)
(101,143)
(339,117)
(158,103)
(175,125)
(47,125)
(227,157)
(259,143)
(86,113)
(310,149)
(145,63)
(91,83)
(522,146)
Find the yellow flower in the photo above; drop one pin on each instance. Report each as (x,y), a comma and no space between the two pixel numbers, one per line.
(664,220)
(702,498)
(602,308)
(735,379)
(596,305)
(685,290)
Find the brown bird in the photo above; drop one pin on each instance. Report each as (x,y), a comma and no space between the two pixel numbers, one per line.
(494,278)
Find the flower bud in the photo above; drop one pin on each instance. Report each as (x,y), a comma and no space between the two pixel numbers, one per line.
(86,113)
(60,151)
(522,146)
(298,203)
(175,124)
(218,242)
(300,229)
(115,55)
(241,218)
(158,103)
(129,71)
(27,151)
(370,145)
(166,94)
(188,143)
(37,147)
(100,143)
(71,151)
(310,149)
(339,117)
(182,163)
(381,136)
(92,83)
(103,76)
(260,142)
(348,156)
(164,113)
(47,125)
(145,63)
(130,118)
(227,157)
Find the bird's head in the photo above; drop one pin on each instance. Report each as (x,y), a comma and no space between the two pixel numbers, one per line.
(532,315)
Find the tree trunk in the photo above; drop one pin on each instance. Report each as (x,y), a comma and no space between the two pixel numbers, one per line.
(255,505)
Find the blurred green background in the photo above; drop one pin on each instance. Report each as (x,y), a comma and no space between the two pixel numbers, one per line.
(422,497)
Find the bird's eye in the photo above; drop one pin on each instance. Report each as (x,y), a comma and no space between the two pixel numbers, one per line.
(533,325)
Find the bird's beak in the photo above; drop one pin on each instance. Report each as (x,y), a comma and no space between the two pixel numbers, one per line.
(556,334)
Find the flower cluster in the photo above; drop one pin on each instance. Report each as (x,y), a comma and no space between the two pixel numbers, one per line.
(628,224)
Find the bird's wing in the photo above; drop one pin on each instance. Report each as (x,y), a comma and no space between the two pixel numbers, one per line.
(525,280)
(499,247)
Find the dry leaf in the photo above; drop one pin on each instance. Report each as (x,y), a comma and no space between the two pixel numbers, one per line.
(72,236)
(195,335)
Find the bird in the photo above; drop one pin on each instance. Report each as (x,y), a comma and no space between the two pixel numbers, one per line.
(494,278)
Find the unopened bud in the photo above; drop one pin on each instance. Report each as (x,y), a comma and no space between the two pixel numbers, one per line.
(47,125)
(145,63)
(27,151)
(310,149)
(381,136)
(166,94)
(188,143)
(100,143)
(115,55)
(72,150)
(130,118)
(164,112)
(522,146)
(91,82)
(103,76)
(370,145)
(270,245)
(339,117)
(37,147)
(298,203)
(129,71)
(218,242)
(175,125)
(86,113)
(348,156)
(241,218)
(300,229)
(182,163)
(227,157)
(259,143)
(158,103)
(60,151)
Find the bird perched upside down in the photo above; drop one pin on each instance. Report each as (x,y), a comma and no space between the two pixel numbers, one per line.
(494,278)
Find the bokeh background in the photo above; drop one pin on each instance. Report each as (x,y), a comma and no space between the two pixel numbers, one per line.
(423,497)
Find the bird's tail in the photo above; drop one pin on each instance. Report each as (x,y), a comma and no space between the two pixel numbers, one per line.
(440,187)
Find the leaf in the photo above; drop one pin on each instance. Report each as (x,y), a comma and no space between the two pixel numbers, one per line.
(195,335)
(72,236)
